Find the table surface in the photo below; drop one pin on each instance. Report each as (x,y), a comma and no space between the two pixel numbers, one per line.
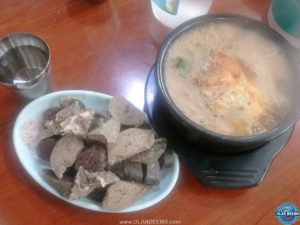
(110,47)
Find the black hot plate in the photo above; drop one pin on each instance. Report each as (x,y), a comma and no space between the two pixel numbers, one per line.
(213,169)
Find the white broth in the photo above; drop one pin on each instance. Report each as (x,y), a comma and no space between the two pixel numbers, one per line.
(228,79)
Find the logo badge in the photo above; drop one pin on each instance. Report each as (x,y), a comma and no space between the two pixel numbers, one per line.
(287,213)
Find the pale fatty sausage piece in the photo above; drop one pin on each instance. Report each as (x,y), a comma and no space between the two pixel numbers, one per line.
(85,182)
(65,101)
(130,142)
(100,117)
(122,194)
(64,154)
(125,112)
(62,115)
(71,110)
(78,124)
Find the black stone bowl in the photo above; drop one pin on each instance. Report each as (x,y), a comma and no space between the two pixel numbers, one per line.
(215,141)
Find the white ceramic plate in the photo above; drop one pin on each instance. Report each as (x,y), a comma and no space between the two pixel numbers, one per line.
(34,166)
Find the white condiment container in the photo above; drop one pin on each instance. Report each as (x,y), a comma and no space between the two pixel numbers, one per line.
(172,13)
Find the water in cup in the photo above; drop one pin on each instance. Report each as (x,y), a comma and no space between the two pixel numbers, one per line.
(22,64)
(25,65)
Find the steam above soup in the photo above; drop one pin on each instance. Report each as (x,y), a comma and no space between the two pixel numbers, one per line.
(228,79)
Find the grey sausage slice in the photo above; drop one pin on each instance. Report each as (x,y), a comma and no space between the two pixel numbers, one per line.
(107,134)
(65,153)
(62,186)
(133,171)
(45,147)
(118,169)
(122,194)
(152,173)
(92,159)
(46,133)
(153,154)
(167,159)
(129,143)
(125,112)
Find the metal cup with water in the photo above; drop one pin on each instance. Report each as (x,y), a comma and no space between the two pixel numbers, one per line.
(25,65)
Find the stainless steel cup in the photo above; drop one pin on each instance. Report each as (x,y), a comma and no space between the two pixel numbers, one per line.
(25,65)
